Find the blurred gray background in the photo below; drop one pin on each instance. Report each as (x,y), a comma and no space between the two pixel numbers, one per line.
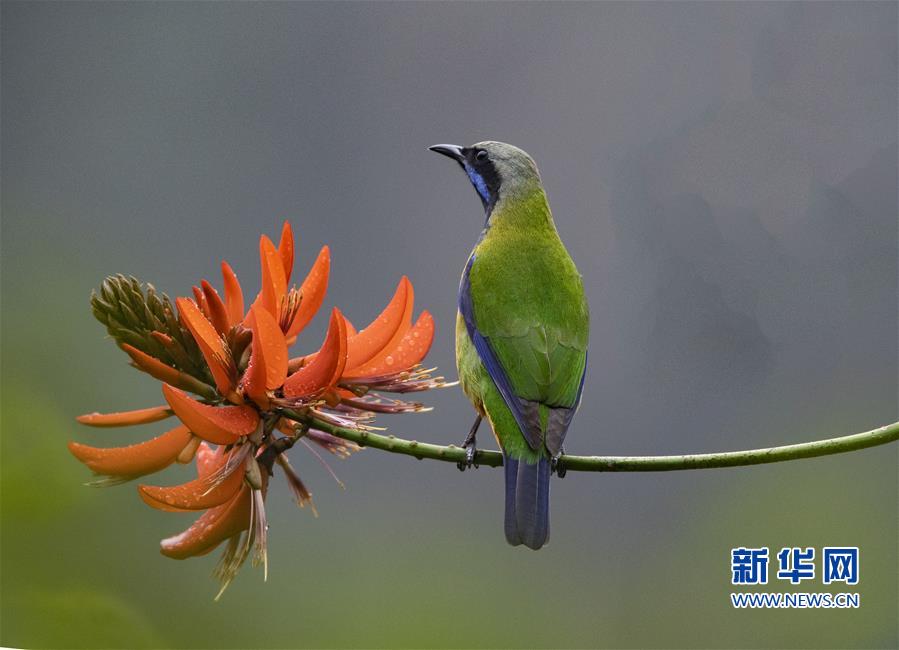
(724,175)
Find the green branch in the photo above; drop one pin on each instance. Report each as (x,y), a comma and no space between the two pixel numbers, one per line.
(454,454)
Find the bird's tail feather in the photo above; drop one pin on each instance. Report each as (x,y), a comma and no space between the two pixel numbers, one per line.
(527,502)
(510,469)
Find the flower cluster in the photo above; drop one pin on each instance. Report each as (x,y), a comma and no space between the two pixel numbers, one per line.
(251,402)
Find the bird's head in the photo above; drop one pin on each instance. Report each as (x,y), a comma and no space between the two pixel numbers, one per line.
(496,169)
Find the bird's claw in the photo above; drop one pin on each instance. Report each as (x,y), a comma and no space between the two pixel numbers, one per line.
(470,453)
(469,445)
(557,466)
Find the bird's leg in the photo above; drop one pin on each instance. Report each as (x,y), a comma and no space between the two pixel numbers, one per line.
(469,446)
(557,466)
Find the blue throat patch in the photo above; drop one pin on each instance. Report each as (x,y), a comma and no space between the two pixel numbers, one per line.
(479,184)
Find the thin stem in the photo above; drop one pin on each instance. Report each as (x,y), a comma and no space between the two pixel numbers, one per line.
(454,454)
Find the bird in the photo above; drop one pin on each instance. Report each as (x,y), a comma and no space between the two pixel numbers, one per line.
(521,331)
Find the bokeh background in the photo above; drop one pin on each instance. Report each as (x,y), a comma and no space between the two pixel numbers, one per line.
(725,176)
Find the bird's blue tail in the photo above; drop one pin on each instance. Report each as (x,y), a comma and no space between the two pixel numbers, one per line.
(527,502)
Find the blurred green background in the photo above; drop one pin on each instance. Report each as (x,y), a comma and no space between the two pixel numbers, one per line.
(724,175)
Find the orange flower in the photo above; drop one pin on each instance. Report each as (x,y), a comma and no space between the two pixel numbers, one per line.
(253,402)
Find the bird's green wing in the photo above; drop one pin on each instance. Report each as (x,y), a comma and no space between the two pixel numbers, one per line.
(540,367)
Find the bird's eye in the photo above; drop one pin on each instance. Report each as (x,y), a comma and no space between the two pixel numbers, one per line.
(481,156)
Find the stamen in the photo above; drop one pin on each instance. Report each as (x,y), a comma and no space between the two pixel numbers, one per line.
(260,532)
(229,564)
(324,463)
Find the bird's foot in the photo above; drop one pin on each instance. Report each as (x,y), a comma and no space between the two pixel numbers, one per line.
(557,466)
(470,453)
(469,445)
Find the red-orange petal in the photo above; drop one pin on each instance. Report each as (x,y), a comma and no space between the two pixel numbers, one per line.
(218,313)
(125,418)
(213,347)
(222,425)
(411,349)
(313,291)
(200,299)
(253,381)
(326,366)
(164,372)
(212,528)
(370,341)
(196,494)
(233,295)
(394,342)
(269,343)
(285,250)
(151,365)
(207,459)
(134,460)
(342,352)
(267,369)
(274,283)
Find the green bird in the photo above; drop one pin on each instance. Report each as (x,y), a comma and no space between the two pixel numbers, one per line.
(521,331)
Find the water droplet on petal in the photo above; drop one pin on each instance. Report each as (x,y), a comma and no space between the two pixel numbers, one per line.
(389,360)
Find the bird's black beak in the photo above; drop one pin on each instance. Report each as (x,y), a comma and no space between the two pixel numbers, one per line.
(453,151)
